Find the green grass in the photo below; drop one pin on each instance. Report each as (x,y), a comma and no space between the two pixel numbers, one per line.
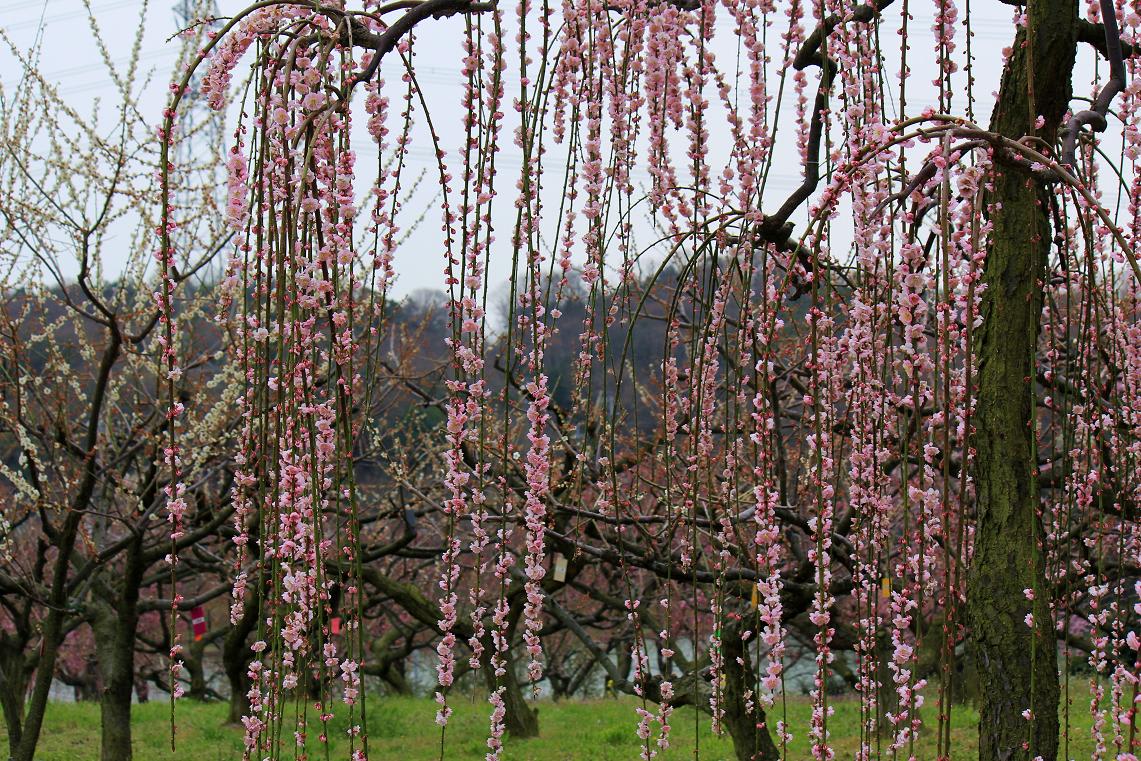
(403,729)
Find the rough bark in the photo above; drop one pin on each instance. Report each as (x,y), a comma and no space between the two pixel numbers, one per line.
(115,626)
(520,719)
(1017,663)
(14,676)
(235,656)
(194,661)
(749,729)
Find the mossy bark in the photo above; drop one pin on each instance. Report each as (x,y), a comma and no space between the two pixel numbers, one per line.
(1017,663)
(519,719)
(236,655)
(747,725)
(15,673)
(194,661)
(115,625)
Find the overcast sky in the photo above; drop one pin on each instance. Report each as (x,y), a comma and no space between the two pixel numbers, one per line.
(69,56)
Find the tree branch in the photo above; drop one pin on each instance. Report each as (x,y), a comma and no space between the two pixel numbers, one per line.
(1095,117)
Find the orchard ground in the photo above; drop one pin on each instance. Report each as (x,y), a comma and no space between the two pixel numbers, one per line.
(588,730)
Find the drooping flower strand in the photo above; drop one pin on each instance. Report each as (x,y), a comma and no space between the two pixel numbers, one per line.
(836,489)
(766,495)
(312,192)
(170,371)
(307,278)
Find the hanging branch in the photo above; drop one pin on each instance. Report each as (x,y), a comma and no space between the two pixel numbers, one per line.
(385,43)
(1095,117)
(775,228)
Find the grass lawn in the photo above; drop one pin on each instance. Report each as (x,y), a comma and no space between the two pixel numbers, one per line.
(403,729)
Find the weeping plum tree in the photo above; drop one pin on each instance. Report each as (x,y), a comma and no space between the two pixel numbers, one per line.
(1014,630)
(893,407)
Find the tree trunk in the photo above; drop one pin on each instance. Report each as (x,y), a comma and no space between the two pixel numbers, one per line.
(89,685)
(12,702)
(236,656)
(520,720)
(53,624)
(194,661)
(1017,663)
(393,675)
(117,665)
(14,677)
(749,729)
(115,626)
(50,641)
(142,689)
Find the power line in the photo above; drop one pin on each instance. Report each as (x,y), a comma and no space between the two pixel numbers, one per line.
(35,46)
(149,55)
(112,6)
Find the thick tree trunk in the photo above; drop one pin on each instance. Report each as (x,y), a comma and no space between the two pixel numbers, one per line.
(115,625)
(520,720)
(115,709)
(12,702)
(51,638)
(14,677)
(394,676)
(116,662)
(53,624)
(194,661)
(1017,663)
(749,729)
(236,656)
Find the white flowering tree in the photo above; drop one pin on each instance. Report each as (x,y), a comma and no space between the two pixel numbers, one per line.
(86,536)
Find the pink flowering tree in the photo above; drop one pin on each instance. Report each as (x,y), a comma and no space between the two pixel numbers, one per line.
(893,406)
